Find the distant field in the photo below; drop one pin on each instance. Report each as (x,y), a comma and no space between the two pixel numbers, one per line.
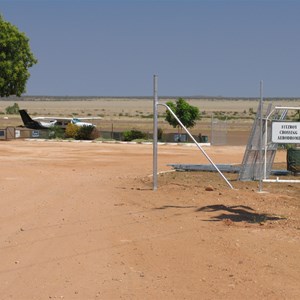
(136,113)
(112,107)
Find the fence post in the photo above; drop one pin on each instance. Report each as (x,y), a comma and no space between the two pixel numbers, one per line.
(155,102)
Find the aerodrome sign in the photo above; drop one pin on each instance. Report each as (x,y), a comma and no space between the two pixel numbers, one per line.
(286,132)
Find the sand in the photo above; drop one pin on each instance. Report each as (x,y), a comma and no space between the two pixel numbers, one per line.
(81,221)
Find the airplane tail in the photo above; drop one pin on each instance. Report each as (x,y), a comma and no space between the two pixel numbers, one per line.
(25,117)
(28,122)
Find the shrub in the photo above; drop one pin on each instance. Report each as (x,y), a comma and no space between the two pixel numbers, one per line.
(71,131)
(296,116)
(95,134)
(56,132)
(12,110)
(85,133)
(159,134)
(131,135)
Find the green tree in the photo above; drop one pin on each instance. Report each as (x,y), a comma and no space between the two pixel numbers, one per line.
(15,60)
(185,112)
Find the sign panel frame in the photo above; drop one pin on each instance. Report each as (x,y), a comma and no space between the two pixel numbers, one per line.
(286,132)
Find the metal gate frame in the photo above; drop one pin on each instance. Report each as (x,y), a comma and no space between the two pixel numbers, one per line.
(10,133)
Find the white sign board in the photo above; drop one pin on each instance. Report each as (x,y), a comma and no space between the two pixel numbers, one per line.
(17,134)
(286,132)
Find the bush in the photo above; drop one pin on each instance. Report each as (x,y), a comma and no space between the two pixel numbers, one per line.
(131,135)
(296,116)
(85,133)
(95,134)
(56,132)
(71,131)
(159,134)
(12,110)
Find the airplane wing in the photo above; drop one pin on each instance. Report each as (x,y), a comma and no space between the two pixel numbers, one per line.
(52,118)
(66,119)
(89,118)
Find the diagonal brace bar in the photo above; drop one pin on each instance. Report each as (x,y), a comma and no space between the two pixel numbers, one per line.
(199,147)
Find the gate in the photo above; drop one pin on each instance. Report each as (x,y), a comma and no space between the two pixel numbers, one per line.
(10,133)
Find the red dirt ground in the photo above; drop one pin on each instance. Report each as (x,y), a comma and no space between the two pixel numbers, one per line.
(80,221)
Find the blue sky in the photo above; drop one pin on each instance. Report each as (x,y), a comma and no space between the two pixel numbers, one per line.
(204,48)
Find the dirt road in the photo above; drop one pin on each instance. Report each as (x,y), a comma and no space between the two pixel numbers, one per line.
(80,221)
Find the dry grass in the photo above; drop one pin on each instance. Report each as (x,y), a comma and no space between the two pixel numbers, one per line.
(113,107)
(136,113)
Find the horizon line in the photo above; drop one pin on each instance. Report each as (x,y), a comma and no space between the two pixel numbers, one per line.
(150,97)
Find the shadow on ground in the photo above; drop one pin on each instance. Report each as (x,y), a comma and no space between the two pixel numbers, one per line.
(175,206)
(238,213)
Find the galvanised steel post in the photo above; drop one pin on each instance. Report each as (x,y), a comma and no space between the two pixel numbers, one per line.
(155,103)
(261,137)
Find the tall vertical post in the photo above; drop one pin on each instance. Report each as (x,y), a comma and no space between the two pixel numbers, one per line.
(155,104)
(261,137)
(212,129)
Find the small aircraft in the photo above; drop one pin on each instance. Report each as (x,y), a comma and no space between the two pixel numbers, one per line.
(42,123)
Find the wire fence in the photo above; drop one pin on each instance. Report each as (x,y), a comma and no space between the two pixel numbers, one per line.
(218,131)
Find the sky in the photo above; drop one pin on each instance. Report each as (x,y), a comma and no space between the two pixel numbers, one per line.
(196,48)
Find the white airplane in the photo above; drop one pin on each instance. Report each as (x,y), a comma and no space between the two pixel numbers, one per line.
(36,123)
